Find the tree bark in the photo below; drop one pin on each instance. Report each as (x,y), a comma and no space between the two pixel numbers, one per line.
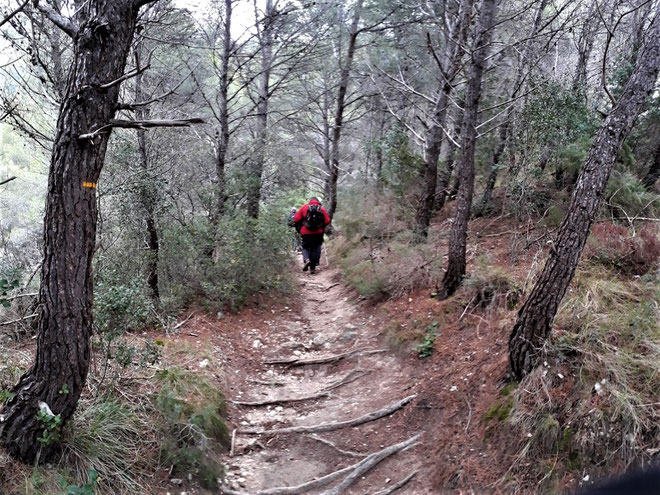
(585,45)
(258,161)
(344,80)
(458,236)
(486,200)
(435,134)
(57,377)
(222,136)
(535,318)
(444,191)
(147,190)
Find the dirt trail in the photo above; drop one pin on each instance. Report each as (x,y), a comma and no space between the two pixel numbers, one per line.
(364,379)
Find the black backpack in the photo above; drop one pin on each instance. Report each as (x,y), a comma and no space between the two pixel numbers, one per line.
(314,220)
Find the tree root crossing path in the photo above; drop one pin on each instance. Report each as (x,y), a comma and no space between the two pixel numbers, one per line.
(319,406)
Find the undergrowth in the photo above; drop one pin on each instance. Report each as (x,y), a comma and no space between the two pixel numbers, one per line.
(592,406)
(377,251)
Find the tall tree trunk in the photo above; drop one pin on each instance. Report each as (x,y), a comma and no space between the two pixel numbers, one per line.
(653,174)
(585,45)
(434,144)
(58,374)
(458,236)
(147,190)
(435,134)
(344,79)
(263,94)
(445,192)
(486,200)
(536,316)
(222,134)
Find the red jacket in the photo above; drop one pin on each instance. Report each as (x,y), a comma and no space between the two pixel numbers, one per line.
(302,213)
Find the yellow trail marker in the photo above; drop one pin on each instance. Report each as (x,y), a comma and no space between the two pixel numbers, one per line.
(90,184)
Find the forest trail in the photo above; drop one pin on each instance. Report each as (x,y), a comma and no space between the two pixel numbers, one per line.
(361,380)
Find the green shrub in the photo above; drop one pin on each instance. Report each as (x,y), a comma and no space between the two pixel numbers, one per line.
(111,439)
(193,411)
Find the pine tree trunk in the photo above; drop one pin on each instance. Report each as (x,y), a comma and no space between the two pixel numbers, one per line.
(58,374)
(147,190)
(263,94)
(344,79)
(444,191)
(535,318)
(458,236)
(485,205)
(434,140)
(435,135)
(222,137)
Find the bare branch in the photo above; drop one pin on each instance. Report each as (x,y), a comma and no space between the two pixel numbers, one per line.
(59,20)
(7,180)
(142,124)
(11,15)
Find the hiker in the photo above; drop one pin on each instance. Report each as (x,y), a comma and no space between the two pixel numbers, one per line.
(296,241)
(311,220)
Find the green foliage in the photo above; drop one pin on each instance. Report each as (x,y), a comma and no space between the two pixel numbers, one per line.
(5,287)
(193,410)
(499,411)
(52,427)
(253,258)
(108,438)
(402,167)
(86,489)
(626,197)
(118,306)
(425,349)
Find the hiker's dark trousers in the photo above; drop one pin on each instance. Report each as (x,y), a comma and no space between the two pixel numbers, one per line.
(312,248)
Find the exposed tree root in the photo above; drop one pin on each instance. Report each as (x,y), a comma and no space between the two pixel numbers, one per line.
(354,472)
(323,359)
(338,425)
(270,383)
(340,450)
(369,463)
(295,490)
(398,485)
(281,400)
(351,376)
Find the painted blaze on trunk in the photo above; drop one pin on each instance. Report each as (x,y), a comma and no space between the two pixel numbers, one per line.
(57,377)
(536,316)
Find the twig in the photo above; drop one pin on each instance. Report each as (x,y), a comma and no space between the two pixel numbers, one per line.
(341,451)
(398,485)
(7,180)
(322,359)
(5,323)
(336,425)
(180,324)
(233,442)
(369,463)
(331,286)
(11,15)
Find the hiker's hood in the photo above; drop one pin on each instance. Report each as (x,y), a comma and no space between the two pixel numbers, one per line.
(314,202)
